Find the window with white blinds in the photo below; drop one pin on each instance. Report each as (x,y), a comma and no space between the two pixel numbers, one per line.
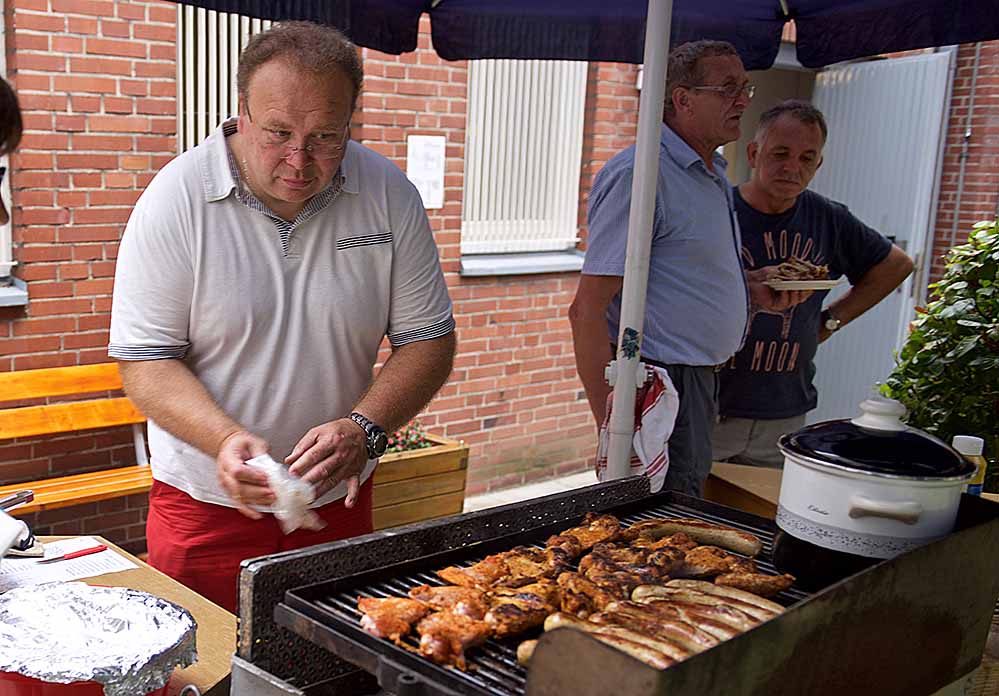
(523,148)
(208,48)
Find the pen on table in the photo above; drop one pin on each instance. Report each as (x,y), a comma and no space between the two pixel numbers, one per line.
(75,554)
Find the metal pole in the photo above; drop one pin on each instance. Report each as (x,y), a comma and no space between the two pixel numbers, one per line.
(636,268)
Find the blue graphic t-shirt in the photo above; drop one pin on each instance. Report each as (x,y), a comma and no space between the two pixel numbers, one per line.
(771,377)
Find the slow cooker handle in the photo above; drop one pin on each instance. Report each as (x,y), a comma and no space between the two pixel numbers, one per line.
(905,511)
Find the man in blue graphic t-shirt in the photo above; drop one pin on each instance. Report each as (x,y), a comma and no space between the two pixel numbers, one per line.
(766,388)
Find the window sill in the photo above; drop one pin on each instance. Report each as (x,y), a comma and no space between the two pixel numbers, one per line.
(474,265)
(15,295)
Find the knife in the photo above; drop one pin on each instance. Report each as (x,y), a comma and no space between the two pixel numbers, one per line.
(75,554)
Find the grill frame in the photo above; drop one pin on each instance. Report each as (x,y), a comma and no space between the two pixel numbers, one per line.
(326,612)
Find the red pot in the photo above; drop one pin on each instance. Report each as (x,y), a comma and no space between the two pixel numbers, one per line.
(13,684)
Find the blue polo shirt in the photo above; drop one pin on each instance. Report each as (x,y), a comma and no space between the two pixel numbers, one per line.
(697,301)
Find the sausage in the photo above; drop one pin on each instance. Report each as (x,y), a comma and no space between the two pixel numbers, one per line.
(721,613)
(729,593)
(650,592)
(677,630)
(623,639)
(525,651)
(703,532)
(649,629)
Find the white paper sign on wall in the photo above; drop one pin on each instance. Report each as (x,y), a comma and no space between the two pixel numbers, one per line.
(425,167)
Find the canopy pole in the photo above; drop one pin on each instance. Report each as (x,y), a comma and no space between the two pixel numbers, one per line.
(636,269)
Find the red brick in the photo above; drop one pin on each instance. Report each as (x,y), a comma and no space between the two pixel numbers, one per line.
(32,326)
(36,344)
(119,124)
(44,308)
(38,22)
(94,233)
(85,340)
(31,42)
(79,102)
(163,12)
(156,106)
(117,143)
(114,47)
(147,69)
(43,102)
(116,28)
(86,179)
(87,161)
(96,216)
(101,66)
(72,199)
(43,216)
(77,83)
(96,8)
(100,286)
(156,32)
(67,44)
(119,105)
(70,122)
(83,25)
(140,88)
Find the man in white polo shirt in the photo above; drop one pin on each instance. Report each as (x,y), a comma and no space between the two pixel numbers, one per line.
(256,279)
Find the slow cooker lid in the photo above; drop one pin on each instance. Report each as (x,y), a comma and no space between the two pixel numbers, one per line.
(908,452)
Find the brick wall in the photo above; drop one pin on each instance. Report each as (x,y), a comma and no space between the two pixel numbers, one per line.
(980,197)
(96,81)
(514,395)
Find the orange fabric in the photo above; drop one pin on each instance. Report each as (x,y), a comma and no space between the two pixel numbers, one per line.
(201,545)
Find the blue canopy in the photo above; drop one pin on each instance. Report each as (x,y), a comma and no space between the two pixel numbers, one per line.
(828,31)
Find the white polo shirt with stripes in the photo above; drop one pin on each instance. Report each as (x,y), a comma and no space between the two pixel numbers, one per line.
(281,321)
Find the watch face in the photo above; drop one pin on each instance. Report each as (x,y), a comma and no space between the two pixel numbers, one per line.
(379,443)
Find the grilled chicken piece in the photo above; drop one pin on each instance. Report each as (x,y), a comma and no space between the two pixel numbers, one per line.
(518,566)
(391,617)
(515,610)
(526,564)
(680,541)
(594,529)
(705,561)
(445,636)
(467,601)
(569,544)
(618,579)
(625,640)
(581,597)
(483,574)
(756,583)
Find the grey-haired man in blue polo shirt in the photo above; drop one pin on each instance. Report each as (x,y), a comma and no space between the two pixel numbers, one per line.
(698,295)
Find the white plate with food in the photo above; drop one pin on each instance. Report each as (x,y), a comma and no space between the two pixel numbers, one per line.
(778,284)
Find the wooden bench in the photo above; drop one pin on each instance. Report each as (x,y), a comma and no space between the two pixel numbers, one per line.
(409,486)
(73,416)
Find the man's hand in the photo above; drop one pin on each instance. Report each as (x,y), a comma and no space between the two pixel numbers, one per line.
(330,453)
(766,298)
(245,484)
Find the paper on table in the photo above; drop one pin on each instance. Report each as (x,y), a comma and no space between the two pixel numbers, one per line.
(21,572)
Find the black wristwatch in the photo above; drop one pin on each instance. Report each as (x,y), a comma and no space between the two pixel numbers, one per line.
(829,322)
(375,437)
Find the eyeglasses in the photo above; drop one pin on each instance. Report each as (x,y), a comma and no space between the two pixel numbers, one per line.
(321,146)
(731,91)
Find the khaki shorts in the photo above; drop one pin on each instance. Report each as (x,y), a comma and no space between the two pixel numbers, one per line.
(752,441)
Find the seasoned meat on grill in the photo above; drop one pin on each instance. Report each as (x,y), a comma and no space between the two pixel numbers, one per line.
(525,564)
(757,583)
(625,640)
(391,617)
(685,634)
(705,561)
(519,566)
(617,578)
(483,574)
(581,597)
(515,610)
(702,532)
(594,529)
(800,269)
(467,601)
(445,636)
(678,541)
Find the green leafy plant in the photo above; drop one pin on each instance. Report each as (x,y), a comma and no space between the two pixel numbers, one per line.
(947,373)
(411,436)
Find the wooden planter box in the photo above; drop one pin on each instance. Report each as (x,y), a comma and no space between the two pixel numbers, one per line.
(420,484)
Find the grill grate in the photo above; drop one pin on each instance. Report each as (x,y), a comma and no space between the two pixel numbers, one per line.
(331,607)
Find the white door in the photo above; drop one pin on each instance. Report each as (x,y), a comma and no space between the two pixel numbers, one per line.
(886,119)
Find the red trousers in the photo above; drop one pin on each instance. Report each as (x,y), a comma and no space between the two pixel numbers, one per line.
(201,545)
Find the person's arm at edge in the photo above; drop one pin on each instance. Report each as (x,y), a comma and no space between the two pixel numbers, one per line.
(167,392)
(873,286)
(588,318)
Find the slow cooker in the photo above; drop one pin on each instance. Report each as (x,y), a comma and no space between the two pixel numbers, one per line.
(857,491)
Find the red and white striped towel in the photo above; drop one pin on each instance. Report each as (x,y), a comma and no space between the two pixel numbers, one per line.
(656,405)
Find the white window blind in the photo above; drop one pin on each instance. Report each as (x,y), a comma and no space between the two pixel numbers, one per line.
(523,147)
(208,48)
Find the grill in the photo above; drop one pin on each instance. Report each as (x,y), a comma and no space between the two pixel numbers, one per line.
(905,626)
(331,607)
